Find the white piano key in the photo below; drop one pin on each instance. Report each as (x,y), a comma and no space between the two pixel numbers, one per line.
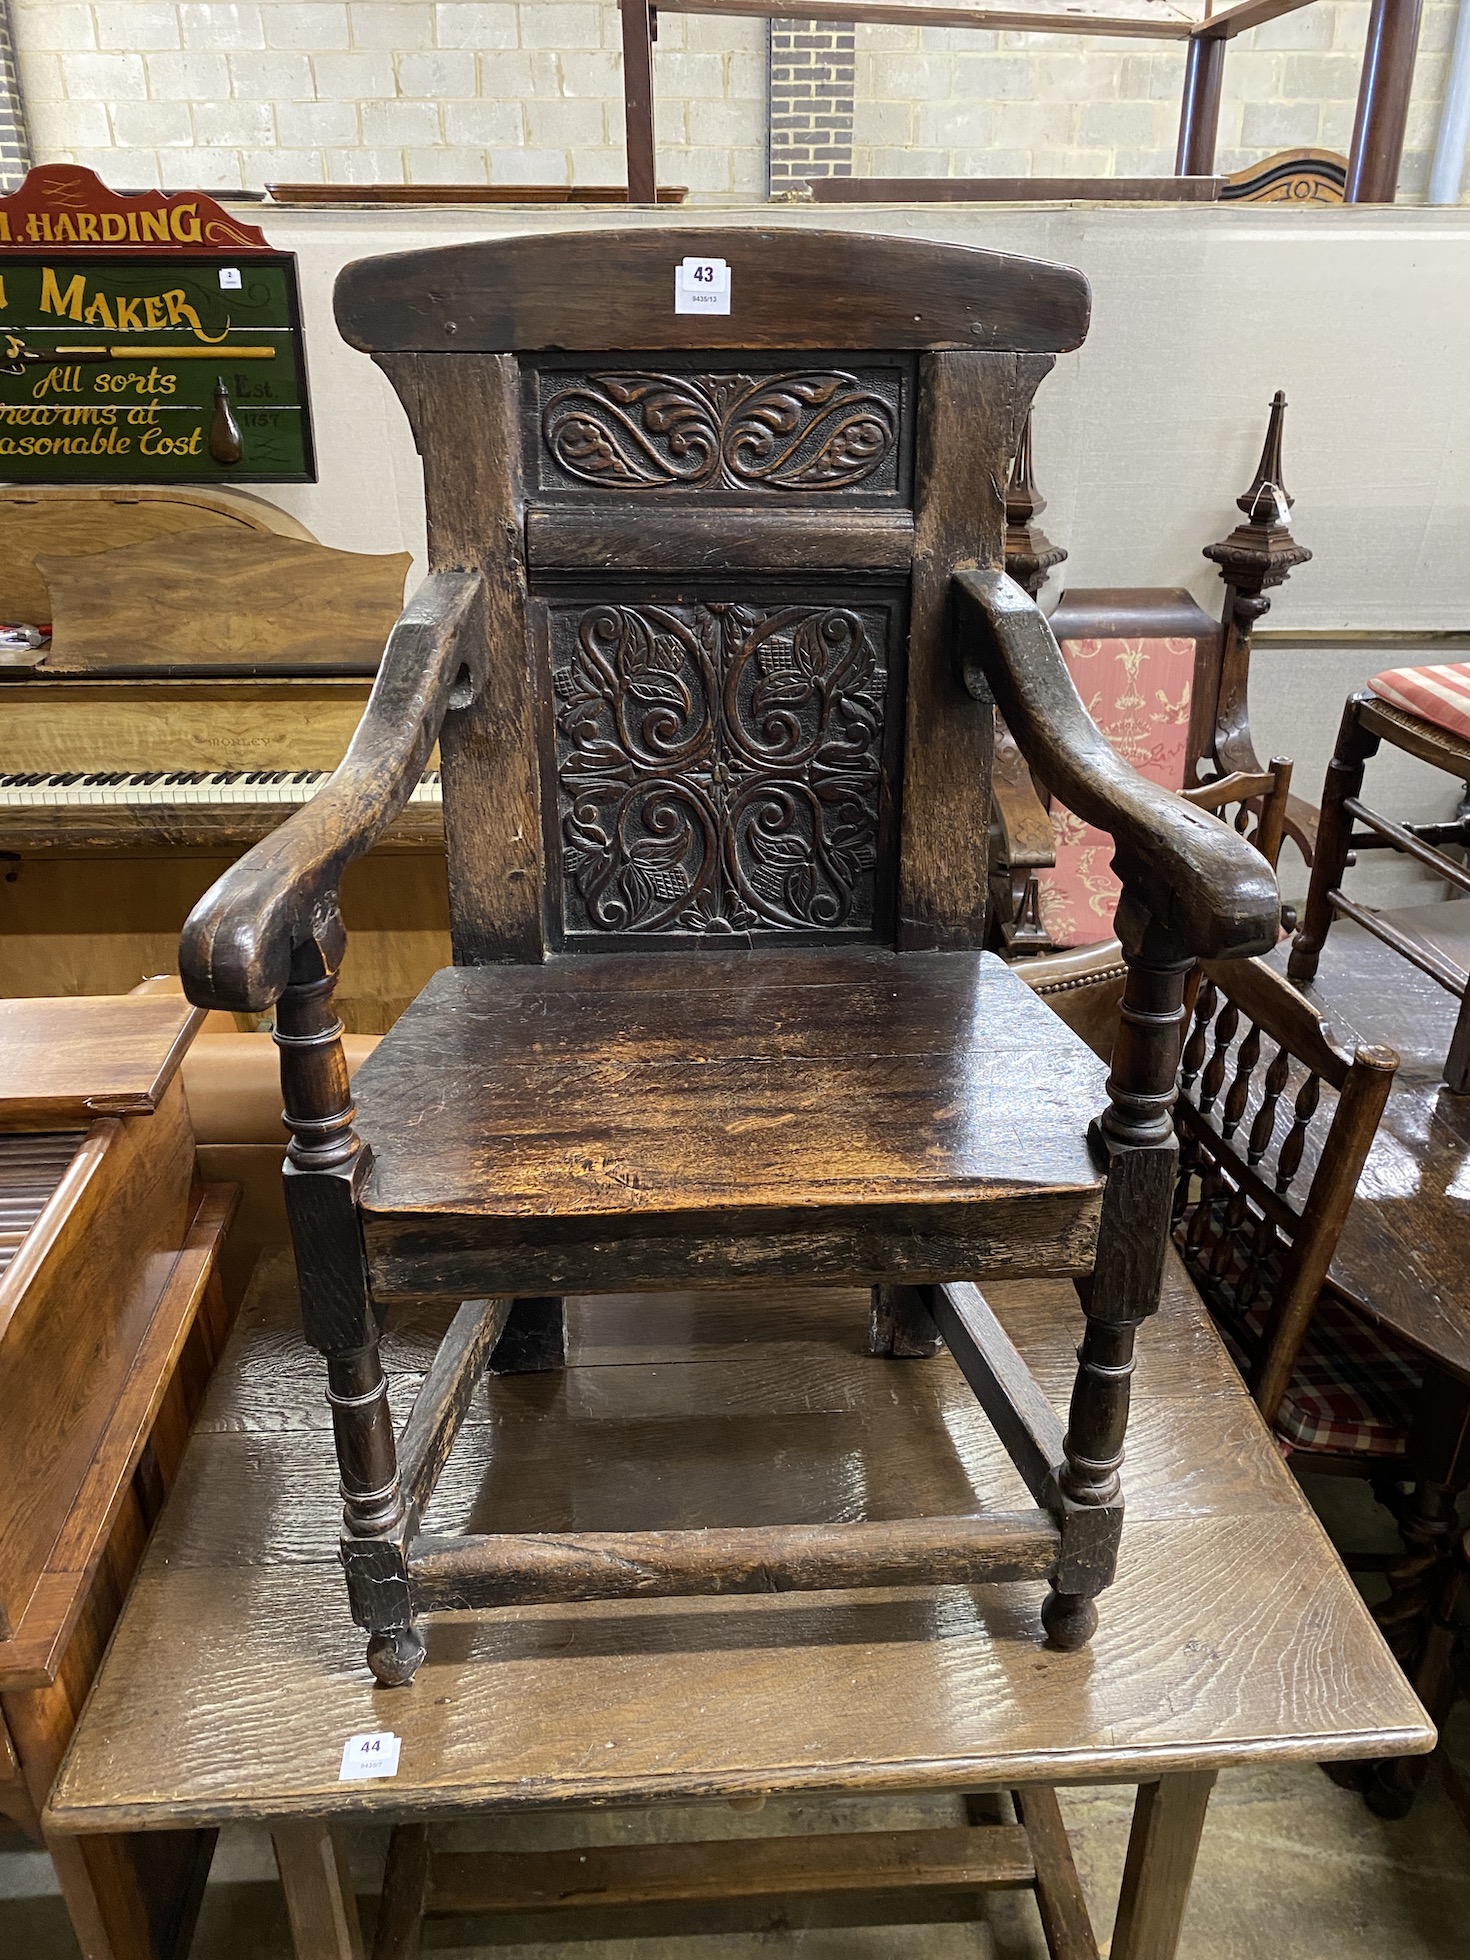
(214,791)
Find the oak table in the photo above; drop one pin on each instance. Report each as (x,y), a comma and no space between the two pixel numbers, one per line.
(1231,1636)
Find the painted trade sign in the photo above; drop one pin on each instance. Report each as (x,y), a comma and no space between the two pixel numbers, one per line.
(149,339)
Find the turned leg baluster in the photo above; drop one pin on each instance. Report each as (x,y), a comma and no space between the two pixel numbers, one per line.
(326,1162)
(1137,1131)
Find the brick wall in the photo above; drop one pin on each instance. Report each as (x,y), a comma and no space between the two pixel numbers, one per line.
(234,95)
(15,142)
(941,102)
(239,94)
(811,107)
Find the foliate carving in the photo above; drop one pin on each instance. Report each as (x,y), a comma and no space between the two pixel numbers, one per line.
(819,430)
(719,766)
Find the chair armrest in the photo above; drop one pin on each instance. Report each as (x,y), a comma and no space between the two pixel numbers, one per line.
(1027,840)
(238,942)
(1208,888)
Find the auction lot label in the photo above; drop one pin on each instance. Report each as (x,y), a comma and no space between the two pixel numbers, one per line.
(151,368)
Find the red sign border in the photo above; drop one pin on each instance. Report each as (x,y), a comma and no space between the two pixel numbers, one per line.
(57,198)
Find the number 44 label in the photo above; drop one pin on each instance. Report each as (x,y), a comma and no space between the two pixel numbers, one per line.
(702,286)
(369,1755)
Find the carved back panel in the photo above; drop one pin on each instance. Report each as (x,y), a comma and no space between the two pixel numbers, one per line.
(718,549)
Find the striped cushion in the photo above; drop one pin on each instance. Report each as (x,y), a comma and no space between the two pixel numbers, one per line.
(1437,694)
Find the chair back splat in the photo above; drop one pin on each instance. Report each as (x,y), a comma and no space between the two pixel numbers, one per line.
(719,535)
(1276,1119)
(712,642)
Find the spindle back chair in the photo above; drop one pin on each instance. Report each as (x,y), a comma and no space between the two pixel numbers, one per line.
(1276,1119)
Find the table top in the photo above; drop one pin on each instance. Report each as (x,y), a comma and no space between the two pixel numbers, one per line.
(235,1677)
(1402,1251)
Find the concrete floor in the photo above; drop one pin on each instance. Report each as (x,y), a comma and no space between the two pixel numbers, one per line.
(1290,1864)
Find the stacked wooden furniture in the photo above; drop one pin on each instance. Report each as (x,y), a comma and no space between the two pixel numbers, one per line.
(207,663)
(111,1318)
(712,644)
(1400,1264)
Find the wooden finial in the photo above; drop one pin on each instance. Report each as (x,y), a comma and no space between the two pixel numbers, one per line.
(1268,498)
(1030,553)
(1261,552)
(1258,554)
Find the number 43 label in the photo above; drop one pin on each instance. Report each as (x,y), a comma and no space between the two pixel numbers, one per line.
(702,286)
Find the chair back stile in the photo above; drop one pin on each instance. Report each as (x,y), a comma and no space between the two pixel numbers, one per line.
(719,702)
(1252,1231)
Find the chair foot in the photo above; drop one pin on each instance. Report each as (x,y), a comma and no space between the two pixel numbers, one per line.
(1301,965)
(1389,1788)
(395,1655)
(1070,1620)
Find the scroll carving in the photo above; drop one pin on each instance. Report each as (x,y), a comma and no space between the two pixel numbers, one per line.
(815,431)
(719,766)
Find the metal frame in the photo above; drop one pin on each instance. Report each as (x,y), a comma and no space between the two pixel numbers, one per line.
(1383,91)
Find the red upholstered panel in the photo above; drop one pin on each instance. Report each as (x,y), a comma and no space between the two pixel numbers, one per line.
(1437,694)
(1137,691)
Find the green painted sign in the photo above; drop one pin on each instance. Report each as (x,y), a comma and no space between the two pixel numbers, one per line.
(152,369)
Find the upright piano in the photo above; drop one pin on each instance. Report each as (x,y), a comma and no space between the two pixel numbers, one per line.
(197,684)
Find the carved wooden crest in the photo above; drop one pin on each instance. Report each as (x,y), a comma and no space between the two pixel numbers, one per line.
(821,429)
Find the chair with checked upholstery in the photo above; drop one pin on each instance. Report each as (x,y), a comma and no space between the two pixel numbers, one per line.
(1277,1121)
(1425,711)
(712,644)
(1267,1171)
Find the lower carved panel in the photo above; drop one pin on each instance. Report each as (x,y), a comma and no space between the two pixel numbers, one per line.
(720,766)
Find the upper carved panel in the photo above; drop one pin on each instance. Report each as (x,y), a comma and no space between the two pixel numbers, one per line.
(719,766)
(806,432)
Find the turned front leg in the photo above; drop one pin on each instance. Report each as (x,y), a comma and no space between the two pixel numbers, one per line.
(1138,1134)
(326,1163)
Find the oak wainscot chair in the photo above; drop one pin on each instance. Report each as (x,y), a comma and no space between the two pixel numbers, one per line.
(712,641)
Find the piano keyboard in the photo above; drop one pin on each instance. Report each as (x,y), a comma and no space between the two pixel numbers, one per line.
(31,1167)
(179,789)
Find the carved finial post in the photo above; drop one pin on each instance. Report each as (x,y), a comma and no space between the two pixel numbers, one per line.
(1258,554)
(1030,553)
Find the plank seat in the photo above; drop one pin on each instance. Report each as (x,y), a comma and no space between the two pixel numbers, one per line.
(537,1114)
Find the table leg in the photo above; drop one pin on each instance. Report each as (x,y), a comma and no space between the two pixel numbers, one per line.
(133,1896)
(320,1901)
(1168,1818)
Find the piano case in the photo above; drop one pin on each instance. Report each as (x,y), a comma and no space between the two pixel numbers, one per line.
(111,1317)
